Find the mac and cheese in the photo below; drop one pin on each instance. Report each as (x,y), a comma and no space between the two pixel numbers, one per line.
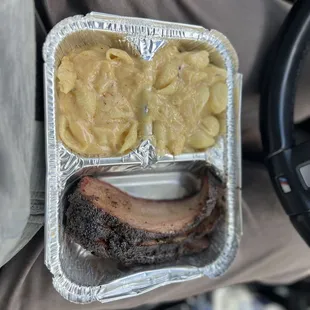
(109,101)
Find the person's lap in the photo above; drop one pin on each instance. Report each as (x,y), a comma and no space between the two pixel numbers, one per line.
(270,249)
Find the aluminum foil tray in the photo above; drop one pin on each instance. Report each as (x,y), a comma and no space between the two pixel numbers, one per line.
(78,275)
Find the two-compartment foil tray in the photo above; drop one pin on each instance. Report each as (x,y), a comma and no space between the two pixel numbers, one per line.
(82,277)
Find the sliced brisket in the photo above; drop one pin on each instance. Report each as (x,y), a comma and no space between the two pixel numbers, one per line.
(113,224)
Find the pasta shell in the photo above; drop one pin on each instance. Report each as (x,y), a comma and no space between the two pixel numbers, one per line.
(170,89)
(86,100)
(119,55)
(211,125)
(191,76)
(215,74)
(66,75)
(160,133)
(105,78)
(166,76)
(176,146)
(198,59)
(66,103)
(218,98)
(201,98)
(62,125)
(81,133)
(67,137)
(131,138)
(200,140)
(87,65)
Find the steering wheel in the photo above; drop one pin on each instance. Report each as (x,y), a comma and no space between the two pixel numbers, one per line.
(288,163)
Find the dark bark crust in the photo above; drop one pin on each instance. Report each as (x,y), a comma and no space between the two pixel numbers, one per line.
(106,236)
